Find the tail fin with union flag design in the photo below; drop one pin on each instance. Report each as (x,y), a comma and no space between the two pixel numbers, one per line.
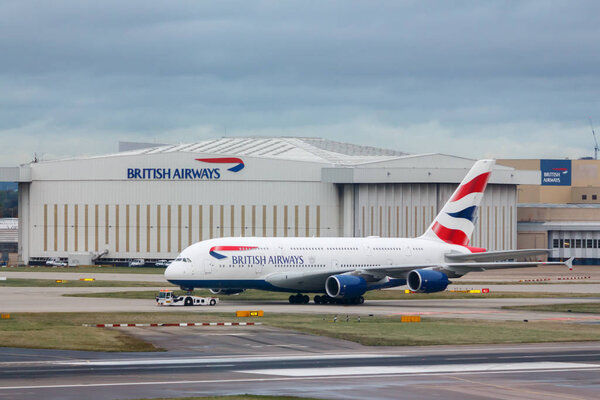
(455,223)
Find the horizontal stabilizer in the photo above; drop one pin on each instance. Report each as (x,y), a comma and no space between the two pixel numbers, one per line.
(496,255)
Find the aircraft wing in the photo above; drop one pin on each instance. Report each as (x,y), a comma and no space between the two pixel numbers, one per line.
(304,280)
(495,255)
(457,269)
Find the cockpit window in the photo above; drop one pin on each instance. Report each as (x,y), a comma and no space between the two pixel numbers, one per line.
(183,259)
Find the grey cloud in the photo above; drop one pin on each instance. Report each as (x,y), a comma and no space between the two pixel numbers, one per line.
(141,69)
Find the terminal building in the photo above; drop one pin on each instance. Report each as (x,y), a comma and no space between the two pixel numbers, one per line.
(561,211)
(151,201)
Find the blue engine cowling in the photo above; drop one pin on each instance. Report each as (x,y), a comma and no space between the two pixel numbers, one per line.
(226,291)
(345,286)
(427,281)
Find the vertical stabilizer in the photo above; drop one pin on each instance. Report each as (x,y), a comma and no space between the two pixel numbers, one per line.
(455,222)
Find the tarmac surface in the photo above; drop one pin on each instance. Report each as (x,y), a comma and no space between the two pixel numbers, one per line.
(212,361)
(266,361)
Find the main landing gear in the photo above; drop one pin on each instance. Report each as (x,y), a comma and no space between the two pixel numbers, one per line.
(331,300)
(299,299)
(304,299)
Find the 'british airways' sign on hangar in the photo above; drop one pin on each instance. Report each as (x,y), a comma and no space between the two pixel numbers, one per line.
(187,173)
(556,172)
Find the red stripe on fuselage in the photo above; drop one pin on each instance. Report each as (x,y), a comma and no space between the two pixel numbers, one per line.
(475,185)
(452,236)
(232,248)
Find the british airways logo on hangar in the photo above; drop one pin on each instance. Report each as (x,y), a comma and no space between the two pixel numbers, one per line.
(224,160)
(187,173)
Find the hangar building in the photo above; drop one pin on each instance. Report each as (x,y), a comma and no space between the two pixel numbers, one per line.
(152,202)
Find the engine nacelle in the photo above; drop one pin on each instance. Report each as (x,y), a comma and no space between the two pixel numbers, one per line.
(345,286)
(427,281)
(226,291)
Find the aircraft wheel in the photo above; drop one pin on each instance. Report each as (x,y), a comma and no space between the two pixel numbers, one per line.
(212,302)
(361,300)
(305,299)
(292,299)
(317,299)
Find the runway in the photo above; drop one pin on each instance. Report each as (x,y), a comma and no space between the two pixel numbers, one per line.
(215,361)
(458,372)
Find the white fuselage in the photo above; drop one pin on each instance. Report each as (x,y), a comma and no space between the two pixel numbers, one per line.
(294,264)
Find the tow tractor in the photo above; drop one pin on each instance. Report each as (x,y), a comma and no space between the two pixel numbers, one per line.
(166,297)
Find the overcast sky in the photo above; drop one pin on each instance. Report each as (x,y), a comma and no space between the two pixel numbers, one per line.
(504,79)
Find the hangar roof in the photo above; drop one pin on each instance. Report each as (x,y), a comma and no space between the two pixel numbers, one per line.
(288,148)
(326,160)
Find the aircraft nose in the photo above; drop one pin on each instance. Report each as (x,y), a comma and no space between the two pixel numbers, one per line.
(174,271)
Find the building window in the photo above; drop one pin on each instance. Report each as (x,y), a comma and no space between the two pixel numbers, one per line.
(594,197)
(589,244)
(578,243)
(555,243)
(567,243)
(584,197)
(561,243)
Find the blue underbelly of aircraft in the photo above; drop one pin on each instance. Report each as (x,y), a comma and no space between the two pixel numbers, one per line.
(261,285)
(231,284)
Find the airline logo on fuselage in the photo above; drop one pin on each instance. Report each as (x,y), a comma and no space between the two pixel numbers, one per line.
(187,173)
(216,251)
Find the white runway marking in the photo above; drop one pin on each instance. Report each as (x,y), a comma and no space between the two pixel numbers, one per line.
(418,369)
(166,361)
(280,379)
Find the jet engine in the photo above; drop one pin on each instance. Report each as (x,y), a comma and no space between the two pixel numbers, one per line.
(427,281)
(226,291)
(345,286)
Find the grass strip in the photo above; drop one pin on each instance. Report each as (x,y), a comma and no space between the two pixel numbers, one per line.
(77,283)
(65,330)
(255,295)
(591,308)
(107,269)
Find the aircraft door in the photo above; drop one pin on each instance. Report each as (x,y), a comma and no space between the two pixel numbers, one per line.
(258,267)
(335,265)
(196,268)
(208,267)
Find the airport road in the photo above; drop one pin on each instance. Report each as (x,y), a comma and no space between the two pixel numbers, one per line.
(331,370)
(54,273)
(49,299)
(19,299)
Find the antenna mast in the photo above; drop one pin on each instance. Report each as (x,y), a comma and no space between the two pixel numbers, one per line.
(595,141)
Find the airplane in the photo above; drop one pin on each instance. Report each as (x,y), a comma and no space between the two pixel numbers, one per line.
(342,269)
